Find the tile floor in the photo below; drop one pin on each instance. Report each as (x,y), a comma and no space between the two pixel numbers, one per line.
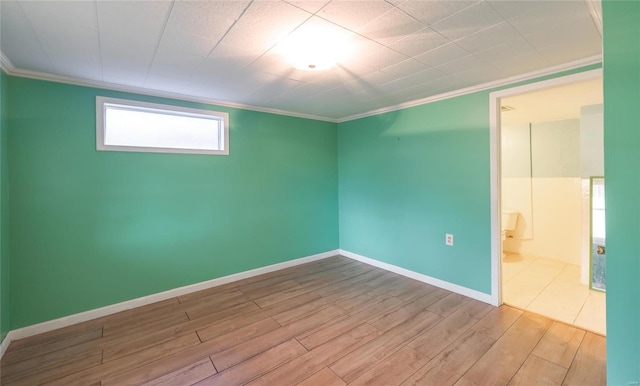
(553,289)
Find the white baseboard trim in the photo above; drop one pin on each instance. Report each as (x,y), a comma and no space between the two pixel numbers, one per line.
(486,298)
(65,321)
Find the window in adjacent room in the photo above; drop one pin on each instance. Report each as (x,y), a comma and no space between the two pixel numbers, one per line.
(125,125)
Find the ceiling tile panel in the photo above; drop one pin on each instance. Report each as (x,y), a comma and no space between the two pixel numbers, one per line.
(264,24)
(469,21)
(127,74)
(57,24)
(382,57)
(442,55)
(175,66)
(443,85)
(374,78)
(139,21)
(462,64)
(213,68)
(430,12)
(220,9)
(354,15)
(499,34)
(73,67)
(419,42)
(391,26)
(273,63)
(76,13)
(19,41)
(521,63)
(409,66)
(334,79)
(190,19)
(310,6)
(179,42)
(529,17)
(172,84)
(560,44)
(303,91)
(55,41)
(232,84)
(135,54)
(412,80)
(236,55)
(518,54)
(479,74)
(274,88)
(129,35)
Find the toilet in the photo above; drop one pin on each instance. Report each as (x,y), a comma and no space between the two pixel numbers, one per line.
(509,223)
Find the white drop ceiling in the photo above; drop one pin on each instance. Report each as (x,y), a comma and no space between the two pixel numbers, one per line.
(227,51)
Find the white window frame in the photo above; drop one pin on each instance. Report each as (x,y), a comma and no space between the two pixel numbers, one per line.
(103,102)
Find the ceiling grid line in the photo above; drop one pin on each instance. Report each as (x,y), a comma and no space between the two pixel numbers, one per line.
(42,46)
(523,36)
(230,27)
(155,51)
(100,45)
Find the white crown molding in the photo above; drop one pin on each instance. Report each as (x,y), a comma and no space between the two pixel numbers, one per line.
(595,10)
(21,73)
(481,87)
(65,321)
(468,292)
(10,69)
(5,64)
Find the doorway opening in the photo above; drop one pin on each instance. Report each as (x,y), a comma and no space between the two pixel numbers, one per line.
(548,247)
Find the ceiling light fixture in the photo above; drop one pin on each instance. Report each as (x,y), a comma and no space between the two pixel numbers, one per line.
(313,49)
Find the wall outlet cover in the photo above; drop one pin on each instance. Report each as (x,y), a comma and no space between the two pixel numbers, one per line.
(448,239)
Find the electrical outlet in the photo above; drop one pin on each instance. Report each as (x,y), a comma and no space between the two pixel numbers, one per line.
(448,239)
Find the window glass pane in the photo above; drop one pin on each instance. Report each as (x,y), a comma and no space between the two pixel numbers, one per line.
(140,128)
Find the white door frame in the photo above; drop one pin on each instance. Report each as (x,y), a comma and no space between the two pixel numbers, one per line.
(495,173)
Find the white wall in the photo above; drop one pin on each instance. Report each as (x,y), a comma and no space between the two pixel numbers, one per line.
(558,218)
(545,189)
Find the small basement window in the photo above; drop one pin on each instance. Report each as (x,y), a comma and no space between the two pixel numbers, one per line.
(124,125)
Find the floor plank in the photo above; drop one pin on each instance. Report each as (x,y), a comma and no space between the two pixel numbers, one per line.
(538,371)
(329,322)
(501,362)
(589,365)
(394,370)
(560,344)
(257,365)
(247,349)
(361,360)
(187,375)
(325,377)
(449,329)
(299,369)
(450,364)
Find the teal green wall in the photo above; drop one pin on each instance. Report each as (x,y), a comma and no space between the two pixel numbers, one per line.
(5,320)
(90,228)
(622,175)
(408,177)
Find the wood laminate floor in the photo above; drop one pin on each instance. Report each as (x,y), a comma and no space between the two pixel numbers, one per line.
(331,322)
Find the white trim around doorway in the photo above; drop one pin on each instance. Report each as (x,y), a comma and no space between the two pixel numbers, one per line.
(495,173)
